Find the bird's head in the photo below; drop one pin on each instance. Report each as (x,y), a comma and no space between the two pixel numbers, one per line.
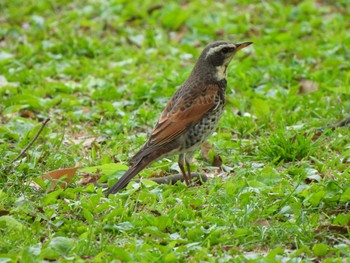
(217,56)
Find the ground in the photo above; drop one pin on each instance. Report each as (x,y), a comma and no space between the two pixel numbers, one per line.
(103,70)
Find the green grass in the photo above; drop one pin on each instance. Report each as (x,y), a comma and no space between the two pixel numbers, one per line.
(105,69)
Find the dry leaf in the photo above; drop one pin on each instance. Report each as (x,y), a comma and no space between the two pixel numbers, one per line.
(56,176)
(27,114)
(315,136)
(334,228)
(89,178)
(307,86)
(4,212)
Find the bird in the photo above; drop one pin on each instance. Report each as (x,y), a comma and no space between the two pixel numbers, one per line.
(190,116)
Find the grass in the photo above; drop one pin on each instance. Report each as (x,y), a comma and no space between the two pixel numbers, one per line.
(105,70)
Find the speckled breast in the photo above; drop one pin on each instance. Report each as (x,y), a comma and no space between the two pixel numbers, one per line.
(197,134)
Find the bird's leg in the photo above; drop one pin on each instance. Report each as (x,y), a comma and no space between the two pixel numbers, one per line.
(182,168)
(188,159)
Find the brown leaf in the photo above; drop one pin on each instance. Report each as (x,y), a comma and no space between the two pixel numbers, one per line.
(307,86)
(316,135)
(205,149)
(334,228)
(27,114)
(56,175)
(89,178)
(4,212)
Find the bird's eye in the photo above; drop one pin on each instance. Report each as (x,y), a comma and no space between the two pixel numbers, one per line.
(226,50)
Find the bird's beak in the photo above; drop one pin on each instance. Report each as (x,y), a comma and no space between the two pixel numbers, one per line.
(239,46)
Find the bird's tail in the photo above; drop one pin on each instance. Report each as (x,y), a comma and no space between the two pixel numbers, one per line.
(136,168)
(126,178)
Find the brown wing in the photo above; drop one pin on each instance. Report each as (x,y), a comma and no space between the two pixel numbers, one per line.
(187,110)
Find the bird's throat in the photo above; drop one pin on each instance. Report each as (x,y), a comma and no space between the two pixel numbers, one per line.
(221,72)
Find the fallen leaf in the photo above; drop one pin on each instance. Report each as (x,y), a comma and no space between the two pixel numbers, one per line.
(27,114)
(4,212)
(334,228)
(89,178)
(57,175)
(307,86)
(316,135)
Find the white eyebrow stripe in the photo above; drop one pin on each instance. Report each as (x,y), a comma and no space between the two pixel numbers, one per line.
(216,49)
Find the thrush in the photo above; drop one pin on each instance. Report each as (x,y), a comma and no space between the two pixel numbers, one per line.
(191,115)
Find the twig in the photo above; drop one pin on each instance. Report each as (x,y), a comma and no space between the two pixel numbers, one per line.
(32,141)
(171,179)
(342,123)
